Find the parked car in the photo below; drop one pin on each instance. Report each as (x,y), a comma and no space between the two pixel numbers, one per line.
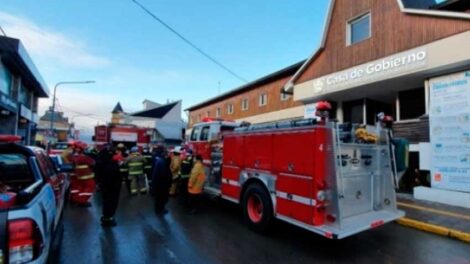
(32,200)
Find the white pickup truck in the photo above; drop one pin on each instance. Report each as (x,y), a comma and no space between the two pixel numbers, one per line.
(33,193)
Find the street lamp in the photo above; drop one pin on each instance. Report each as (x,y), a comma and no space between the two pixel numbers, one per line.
(53,101)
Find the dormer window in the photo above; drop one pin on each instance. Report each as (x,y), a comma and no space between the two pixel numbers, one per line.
(359,29)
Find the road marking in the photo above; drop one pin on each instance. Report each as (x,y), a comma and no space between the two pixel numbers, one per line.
(435,229)
(456,215)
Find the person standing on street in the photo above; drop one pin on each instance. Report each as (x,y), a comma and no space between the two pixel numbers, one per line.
(110,183)
(83,185)
(161,180)
(175,166)
(123,169)
(186,167)
(147,155)
(195,184)
(136,163)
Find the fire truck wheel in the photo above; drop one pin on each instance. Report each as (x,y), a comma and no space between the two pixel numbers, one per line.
(257,208)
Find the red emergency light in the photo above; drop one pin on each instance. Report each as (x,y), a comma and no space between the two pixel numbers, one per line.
(212,119)
(10,138)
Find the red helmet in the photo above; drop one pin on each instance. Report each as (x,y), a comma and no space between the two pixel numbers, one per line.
(323,106)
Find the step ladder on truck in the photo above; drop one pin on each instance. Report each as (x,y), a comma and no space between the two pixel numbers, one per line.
(332,179)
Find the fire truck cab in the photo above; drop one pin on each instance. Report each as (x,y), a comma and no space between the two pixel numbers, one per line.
(206,140)
(322,176)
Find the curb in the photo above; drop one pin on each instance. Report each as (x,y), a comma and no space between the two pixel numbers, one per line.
(435,229)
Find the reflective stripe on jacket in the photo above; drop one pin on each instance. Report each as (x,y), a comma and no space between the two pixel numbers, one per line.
(136,163)
(197,178)
(83,167)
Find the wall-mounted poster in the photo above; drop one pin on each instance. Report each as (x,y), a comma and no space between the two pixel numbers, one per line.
(450,131)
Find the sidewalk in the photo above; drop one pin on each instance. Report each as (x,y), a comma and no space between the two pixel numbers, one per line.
(434,217)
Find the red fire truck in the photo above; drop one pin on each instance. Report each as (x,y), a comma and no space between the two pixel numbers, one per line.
(313,174)
(129,135)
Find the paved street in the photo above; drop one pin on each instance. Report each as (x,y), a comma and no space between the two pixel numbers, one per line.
(217,235)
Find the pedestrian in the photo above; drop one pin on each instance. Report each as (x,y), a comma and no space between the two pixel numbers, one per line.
(195,184)
(83,183)
(175,166)
(186,167)
(136,164)
(110,184)
(161,180)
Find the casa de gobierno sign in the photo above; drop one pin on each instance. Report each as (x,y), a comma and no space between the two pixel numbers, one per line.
(385,68)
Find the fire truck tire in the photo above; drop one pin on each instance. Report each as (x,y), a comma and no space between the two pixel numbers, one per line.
(257,208)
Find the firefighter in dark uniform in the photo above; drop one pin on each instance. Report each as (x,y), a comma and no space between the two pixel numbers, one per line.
(123,169)
(148,162)
(111,183)
(186,167)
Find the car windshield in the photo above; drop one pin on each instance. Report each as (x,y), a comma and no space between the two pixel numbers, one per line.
(14,170)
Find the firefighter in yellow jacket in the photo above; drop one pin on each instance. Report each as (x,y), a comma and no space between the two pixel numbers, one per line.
(175,167)
(136,163)
(196,183)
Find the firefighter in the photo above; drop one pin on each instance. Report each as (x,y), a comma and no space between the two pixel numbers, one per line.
(83,184)
(161,180)
(136,164)
(111,183)
(175,166)
(123,169)
(195,184)
(68,153)
(185,172)
(147,155)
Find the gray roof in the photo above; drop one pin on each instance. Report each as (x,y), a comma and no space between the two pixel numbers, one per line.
(15,57)
(263,80)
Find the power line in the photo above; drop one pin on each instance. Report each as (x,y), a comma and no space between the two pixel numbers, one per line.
(187,41)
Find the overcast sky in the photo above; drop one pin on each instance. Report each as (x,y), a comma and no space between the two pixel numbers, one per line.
(132,58)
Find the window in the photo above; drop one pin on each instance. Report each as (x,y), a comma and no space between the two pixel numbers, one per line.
(245,104)
(354,111)
(263,99)
(359,29)
(25,96)
(199,118)
(205,133)
(284,97)
(412,104)
(5,80)
(230,109)
(14,169)
(208,113)
(217,112)
(195,134)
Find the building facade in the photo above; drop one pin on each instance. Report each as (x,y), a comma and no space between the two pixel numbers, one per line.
(21,86)
(257,102)
(62,131)
(383,56)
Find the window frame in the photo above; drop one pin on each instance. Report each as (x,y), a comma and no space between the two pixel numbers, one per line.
(205,133)
(261,102)
(195,134)
(356,19)
(230,109)
(247,104)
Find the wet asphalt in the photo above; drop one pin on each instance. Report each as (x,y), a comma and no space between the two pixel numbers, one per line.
(217,235)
